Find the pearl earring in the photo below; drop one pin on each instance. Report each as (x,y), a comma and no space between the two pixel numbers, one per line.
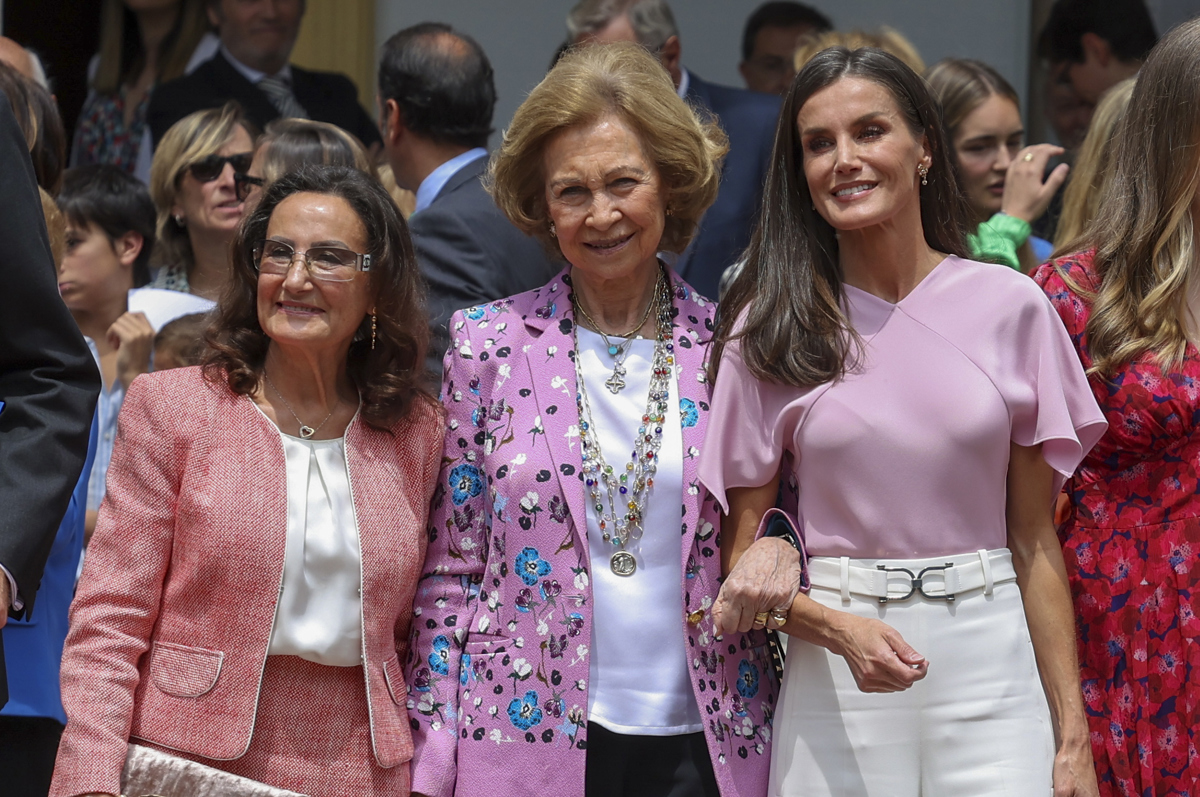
(923,170)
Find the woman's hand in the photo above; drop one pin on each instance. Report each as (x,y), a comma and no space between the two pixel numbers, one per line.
(1025,195)
(133,338)
(765,578)
(1074,771)
(879,658)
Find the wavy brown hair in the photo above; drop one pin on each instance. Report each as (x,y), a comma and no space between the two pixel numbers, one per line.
(1144,231)
(388,376)
(790,291)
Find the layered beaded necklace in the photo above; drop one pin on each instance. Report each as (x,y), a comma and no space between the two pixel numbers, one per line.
(628,491)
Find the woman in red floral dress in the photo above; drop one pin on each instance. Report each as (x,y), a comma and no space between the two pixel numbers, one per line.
(1132,533)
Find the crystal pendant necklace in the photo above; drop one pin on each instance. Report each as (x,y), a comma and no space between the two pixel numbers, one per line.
(627,492)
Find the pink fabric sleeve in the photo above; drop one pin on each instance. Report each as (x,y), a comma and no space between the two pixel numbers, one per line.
(1051,402)
(745,437)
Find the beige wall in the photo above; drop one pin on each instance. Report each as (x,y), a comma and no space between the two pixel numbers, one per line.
(339,36)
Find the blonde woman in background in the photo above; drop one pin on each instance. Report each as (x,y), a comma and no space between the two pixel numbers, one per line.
(289,144)
(194,193)
(1132,528)
(1001,180)
(1093,168)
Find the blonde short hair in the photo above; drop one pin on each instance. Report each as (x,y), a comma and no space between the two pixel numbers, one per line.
(193,138)
(585,85)
(886,39)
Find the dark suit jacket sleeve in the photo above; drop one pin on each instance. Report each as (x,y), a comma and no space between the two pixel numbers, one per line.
(48,380)
(459,272)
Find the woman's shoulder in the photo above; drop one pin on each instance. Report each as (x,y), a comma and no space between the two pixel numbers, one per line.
(1070,284)
(505,317)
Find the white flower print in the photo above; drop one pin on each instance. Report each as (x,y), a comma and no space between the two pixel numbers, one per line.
(522,668)
(542,628)
(453,424)
(484,624)
(581,580)
(465,349)
(519,459)
(502,374)
(529,501)
(558,383)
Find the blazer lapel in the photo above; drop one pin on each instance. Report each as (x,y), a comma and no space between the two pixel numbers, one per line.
(550,358)
(692,333)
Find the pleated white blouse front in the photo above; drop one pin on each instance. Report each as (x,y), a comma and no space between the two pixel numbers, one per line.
(319,617)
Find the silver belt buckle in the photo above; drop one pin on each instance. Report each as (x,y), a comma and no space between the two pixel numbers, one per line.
(916,583)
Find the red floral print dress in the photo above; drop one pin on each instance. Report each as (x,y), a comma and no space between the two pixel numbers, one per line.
(1131,541)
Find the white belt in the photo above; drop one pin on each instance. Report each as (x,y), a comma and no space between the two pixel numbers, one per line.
(892,580)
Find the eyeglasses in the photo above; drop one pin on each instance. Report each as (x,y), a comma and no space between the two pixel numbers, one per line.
(210,168)
(325,263)
(242,183)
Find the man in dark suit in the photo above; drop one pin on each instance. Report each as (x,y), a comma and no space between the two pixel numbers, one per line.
(252,67)
(436,94)
(48,386)
(747,117)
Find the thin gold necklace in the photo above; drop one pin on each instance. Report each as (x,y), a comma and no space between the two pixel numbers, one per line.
(306,431)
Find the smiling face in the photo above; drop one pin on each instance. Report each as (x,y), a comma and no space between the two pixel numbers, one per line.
(296,310)
(259,33)
(212,208)
(605,198)
(986,143)
(860,155)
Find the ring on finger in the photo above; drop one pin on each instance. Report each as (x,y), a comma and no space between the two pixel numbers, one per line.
(779,617)
(760,619)
(1028,157)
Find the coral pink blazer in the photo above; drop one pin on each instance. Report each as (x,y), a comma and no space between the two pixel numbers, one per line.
(171,625)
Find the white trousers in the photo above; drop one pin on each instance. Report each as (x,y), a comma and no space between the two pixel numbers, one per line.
(977,725)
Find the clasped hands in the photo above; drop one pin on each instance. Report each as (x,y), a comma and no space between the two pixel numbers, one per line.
(766,579)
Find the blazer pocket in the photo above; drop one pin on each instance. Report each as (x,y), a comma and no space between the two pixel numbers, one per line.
(484,644)
(395,679)
(184,671)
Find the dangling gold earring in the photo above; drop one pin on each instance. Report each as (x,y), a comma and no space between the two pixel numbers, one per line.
(923,170)
(553,232)
(372,332)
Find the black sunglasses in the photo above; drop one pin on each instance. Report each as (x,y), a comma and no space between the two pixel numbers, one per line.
(210,168)
(242,183)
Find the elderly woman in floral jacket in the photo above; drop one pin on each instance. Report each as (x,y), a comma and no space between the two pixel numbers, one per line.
(563,640)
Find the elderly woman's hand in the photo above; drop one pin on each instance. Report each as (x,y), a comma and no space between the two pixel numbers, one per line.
(766,578)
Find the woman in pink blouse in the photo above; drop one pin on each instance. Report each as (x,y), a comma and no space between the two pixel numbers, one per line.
(931,408)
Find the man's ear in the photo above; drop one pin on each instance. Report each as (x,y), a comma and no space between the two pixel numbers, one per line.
(391,122)
(213,7)
(670,55)
(128,247)
(1096,48)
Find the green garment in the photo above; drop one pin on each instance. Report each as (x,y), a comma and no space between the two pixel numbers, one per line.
(998,239)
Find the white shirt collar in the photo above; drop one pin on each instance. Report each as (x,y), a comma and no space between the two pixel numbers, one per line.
(685,80)
(432,185)
(253,75)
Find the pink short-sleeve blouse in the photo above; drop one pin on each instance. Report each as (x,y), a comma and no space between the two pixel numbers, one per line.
(907,456)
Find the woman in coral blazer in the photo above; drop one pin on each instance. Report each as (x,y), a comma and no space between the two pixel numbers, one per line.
(247,594)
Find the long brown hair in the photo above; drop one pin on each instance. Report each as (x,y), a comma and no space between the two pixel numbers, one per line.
(1143,232)
(790,290)
(121,53)
(961,85)
(389,375)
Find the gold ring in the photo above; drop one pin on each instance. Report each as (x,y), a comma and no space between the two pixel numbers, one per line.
(1028,157)
(760,619)
(780,617)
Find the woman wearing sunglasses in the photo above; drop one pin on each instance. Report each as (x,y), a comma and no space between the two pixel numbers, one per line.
(249,586)
(192,184)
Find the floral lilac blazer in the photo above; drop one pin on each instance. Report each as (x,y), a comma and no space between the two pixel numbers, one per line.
(498,664)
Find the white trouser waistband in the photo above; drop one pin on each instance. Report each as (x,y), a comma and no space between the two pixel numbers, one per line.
(893,580)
